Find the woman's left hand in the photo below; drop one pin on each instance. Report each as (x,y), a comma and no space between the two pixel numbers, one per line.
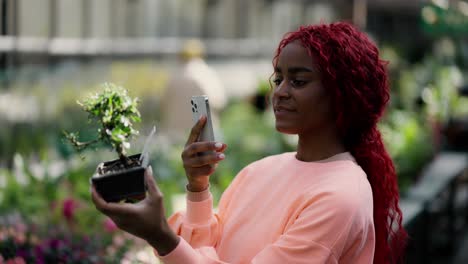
(145,219)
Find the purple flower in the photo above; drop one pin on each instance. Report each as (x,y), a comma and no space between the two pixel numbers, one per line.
(54,243)
(23,253)
(39,254)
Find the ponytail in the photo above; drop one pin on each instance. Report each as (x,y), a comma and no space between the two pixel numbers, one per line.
(371,155)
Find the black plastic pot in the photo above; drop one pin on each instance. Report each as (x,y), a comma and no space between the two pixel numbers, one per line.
(126,184)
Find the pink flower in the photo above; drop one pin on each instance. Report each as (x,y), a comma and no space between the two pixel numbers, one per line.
(53,205)
(69,208)
(17,260)
(20,238)
(118,241)
(21,227)
(109,225)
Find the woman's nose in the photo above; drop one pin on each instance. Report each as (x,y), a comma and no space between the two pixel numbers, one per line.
(282,90)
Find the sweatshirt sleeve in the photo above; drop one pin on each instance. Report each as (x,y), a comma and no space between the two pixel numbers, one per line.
(317,235)
(199,226)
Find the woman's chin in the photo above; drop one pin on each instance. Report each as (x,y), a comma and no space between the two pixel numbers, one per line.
(285,130)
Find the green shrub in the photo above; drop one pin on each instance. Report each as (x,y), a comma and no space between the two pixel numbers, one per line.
(115,112)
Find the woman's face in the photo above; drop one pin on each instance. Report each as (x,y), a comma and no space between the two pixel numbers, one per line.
(300,102)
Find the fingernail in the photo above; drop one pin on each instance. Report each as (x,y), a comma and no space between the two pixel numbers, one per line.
(218,145)
(150,170)
(221,156)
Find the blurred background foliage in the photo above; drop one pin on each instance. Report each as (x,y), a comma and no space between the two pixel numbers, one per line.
(425,97)
(42,175)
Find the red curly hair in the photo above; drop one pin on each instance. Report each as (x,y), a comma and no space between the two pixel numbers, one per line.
(356,79)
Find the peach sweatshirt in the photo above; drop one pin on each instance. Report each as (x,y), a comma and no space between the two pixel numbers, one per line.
(281,210)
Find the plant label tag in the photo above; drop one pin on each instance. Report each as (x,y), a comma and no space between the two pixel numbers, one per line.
(144,158)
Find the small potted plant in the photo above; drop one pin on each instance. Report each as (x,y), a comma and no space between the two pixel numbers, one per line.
(115,112)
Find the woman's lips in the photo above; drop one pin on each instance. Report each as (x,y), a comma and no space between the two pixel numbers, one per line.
(283,112)
(279,109)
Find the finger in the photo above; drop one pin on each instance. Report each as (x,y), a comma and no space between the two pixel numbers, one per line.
(223,148)
(109,208)
(151,184)
(208,158)
(97,199)
(198,147)
(196,130)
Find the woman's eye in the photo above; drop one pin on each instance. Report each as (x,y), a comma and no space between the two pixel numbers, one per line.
(297,83)
(277,81)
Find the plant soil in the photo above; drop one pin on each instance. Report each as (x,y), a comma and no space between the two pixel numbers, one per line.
(118,166)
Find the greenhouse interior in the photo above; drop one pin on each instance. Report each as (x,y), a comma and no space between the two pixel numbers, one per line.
(55,53)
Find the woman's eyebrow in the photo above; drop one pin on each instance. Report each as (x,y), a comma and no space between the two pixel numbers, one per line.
(299,69)
(295,69)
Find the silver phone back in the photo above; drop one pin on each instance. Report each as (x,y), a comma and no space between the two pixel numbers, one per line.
(201,106)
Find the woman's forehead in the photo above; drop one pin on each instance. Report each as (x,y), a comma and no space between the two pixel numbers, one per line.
(294,54)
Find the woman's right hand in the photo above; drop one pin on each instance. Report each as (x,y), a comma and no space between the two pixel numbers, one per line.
(198,165)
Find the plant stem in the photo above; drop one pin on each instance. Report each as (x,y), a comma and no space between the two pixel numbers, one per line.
(123,158)
(85,144)
(78,144)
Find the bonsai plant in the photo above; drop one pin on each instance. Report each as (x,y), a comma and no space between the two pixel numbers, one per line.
(115,112)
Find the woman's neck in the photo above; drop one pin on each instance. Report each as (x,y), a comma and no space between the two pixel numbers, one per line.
(319,146)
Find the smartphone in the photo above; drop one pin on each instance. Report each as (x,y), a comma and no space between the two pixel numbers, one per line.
(201,106)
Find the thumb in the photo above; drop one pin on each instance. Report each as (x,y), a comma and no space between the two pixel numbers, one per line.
(153,188)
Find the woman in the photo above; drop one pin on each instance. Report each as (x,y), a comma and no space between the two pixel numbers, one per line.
(334,200)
